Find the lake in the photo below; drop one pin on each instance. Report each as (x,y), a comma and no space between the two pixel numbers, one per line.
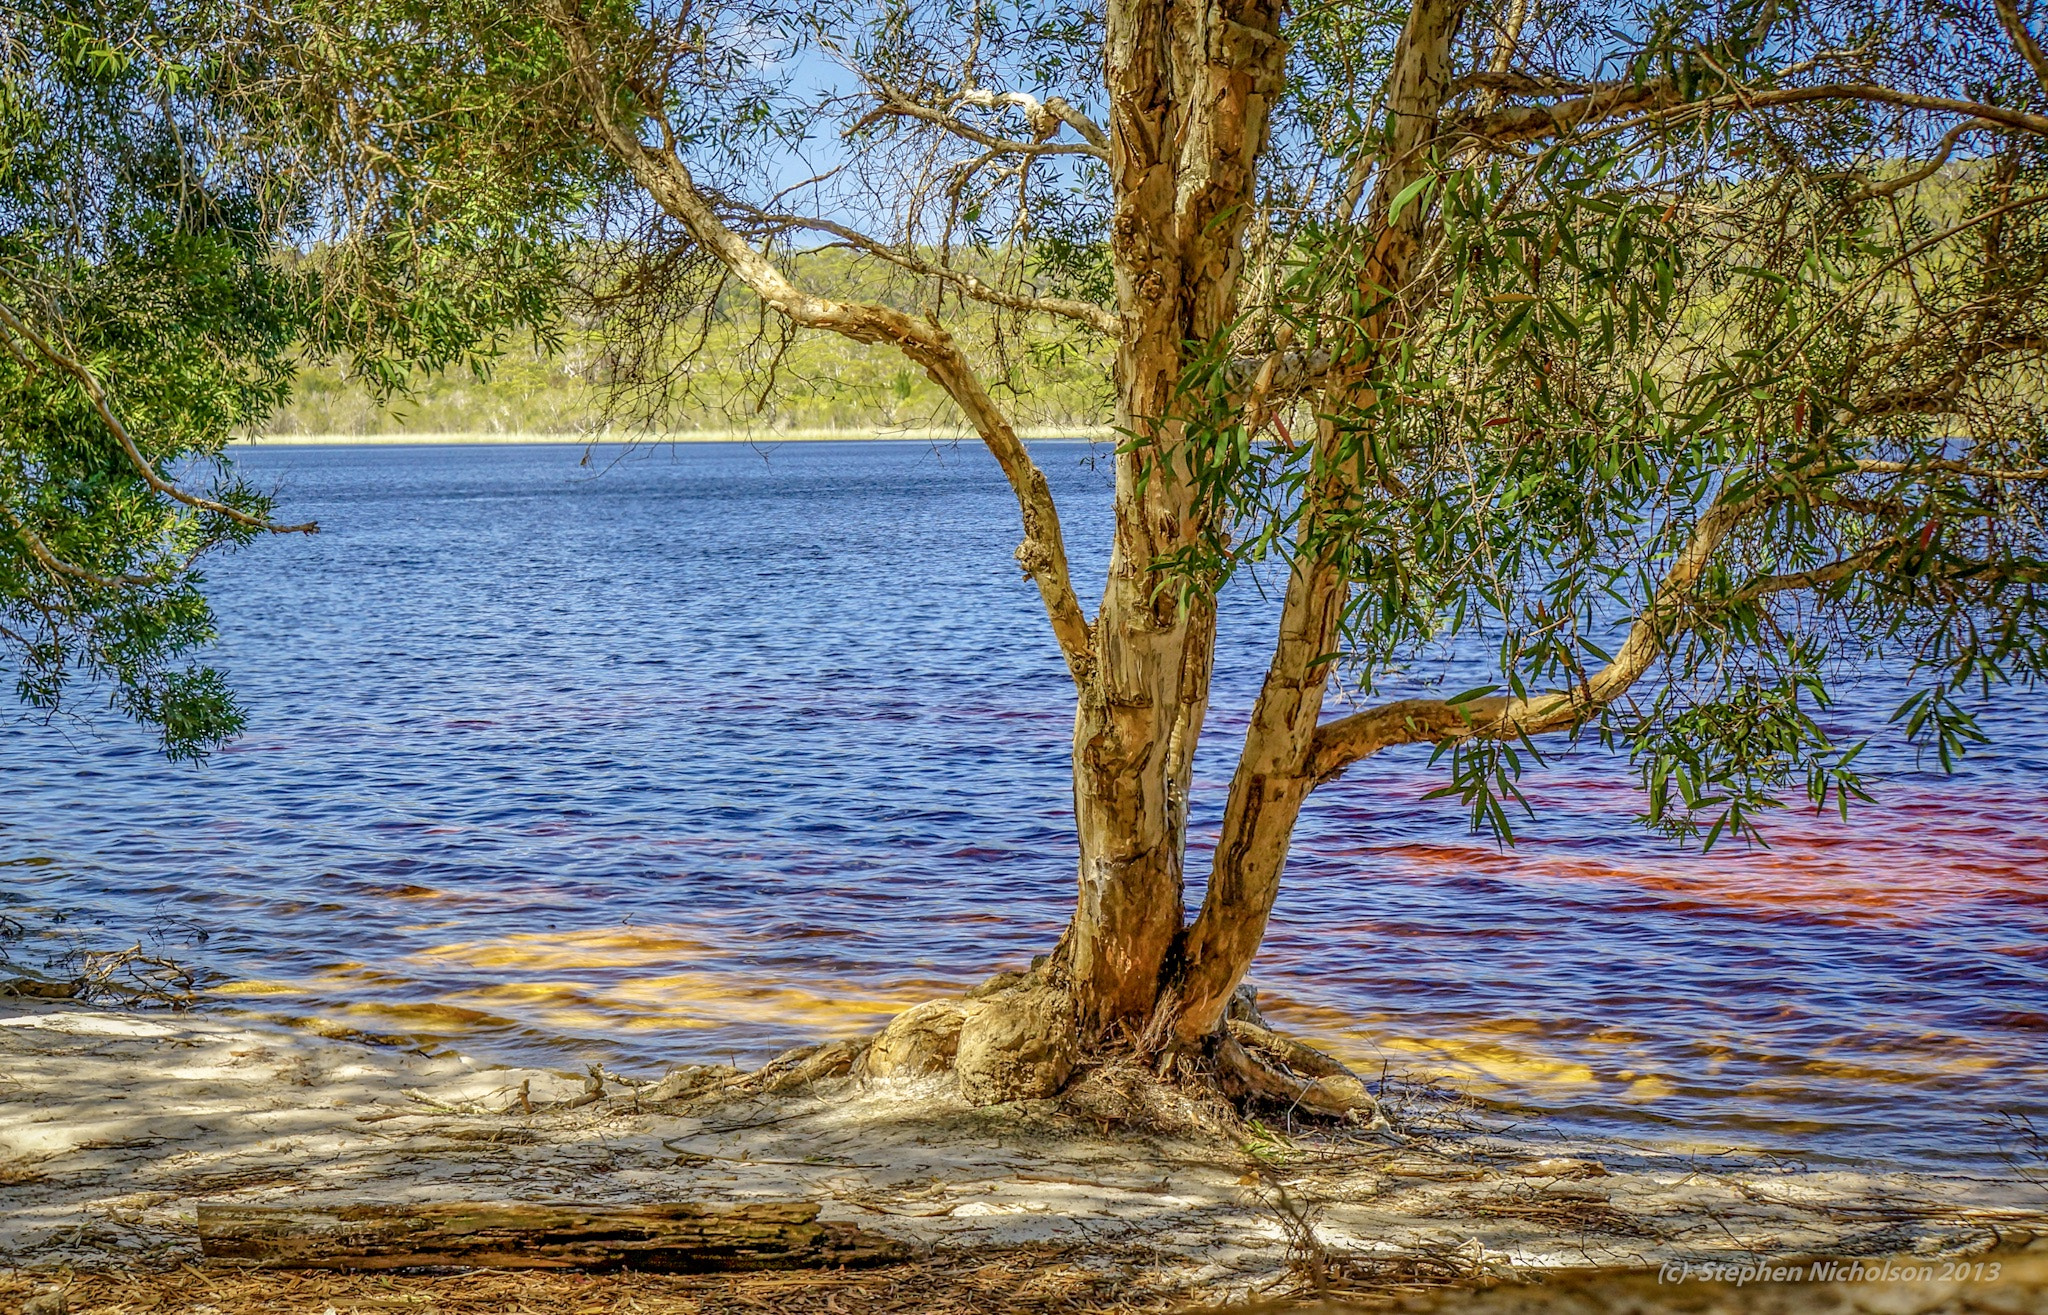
(696,752)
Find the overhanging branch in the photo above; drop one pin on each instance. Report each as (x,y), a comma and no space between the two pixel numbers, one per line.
(56,565)
(666,179)
(898,104)
(1035,112)
(1661,98)
(1340,743)
(1095,317)
(104,410)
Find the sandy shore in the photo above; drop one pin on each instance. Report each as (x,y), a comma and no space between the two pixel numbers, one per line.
(115,1125)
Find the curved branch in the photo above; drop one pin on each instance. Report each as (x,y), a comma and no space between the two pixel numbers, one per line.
(2017,120)
(1340,743)
(1942,151)
(1035,112)
(1962,468)
(1953,572)
(58,566)
(1086,312)
(2022,40)
(98,397)
(1043,553)
(898,105)
(1528,123)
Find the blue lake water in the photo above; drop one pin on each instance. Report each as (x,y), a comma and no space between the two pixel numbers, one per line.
(696,752)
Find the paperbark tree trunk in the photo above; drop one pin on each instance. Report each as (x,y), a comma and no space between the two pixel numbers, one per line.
(1275,770)
(1188,87)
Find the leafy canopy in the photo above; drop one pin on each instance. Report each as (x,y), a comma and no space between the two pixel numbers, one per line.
(144,324)
(167,257)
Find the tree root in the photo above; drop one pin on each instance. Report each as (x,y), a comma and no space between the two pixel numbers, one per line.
(1255,1063)
(1013,1038)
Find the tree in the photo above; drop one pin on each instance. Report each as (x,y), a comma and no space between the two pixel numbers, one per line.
(143,325)
(1716,324)
(162,275)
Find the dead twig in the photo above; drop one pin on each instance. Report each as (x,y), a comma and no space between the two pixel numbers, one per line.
(132,977)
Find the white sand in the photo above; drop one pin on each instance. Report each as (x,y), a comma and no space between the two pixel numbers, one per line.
(114,1125)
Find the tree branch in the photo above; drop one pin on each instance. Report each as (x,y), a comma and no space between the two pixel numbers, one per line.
(98,397)
(1043,553)
(1528,123)
(1947,145)
(1035,112)
(1962,468)
(896,104)
(2022,40)
(1086,312)
(58,566)
(1507,39)
(1340,743)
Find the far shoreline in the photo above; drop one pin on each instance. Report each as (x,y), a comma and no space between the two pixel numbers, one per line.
(479,438)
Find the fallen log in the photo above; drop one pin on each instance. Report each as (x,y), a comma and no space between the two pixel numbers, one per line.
(669,1238)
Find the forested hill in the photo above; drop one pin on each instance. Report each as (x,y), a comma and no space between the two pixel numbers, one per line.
(749,377)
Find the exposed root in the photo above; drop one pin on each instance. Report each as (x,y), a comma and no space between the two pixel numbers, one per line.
(788,1072)
(796,1069)
(1255,1063)
(1124,1095)
(1260,1076)
(1014,1038)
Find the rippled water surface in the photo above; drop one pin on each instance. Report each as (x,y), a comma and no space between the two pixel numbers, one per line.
(697,752)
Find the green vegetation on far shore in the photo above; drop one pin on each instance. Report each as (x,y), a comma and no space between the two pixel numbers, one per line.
(745,381)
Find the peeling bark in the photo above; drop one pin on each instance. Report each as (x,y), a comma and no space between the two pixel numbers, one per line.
(1274,773)
(1187,90)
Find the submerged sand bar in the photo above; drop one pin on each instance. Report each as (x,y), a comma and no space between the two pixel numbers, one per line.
(115,1126)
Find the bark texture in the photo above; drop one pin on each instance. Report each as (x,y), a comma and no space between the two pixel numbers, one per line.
(677,1238)
(1275,770)
(1188,88)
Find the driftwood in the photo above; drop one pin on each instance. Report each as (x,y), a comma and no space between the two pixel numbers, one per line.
(672,1238)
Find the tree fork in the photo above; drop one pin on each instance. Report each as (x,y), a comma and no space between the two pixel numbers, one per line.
(1275,767)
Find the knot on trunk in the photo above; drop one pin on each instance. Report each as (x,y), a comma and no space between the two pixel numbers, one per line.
(1034,557)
